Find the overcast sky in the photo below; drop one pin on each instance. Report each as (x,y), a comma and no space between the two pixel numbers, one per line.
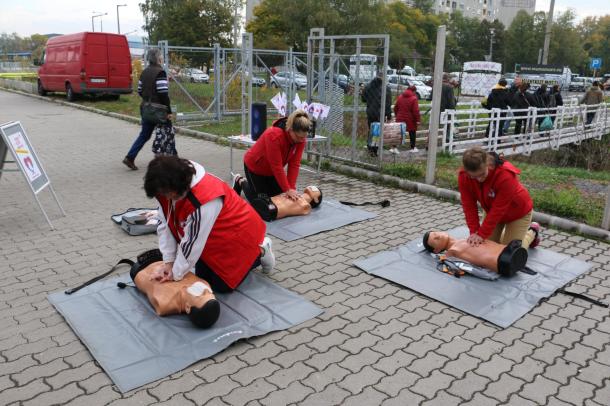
(27,17)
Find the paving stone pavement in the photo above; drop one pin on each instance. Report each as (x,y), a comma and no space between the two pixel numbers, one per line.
(376,343)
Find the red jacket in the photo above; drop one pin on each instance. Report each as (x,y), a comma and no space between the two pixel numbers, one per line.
(407,110)
(233,244)
(271,152)
(502,196)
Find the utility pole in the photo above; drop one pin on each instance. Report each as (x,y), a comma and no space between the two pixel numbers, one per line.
(491,45)
(118,24)
(547,34)
(94,16)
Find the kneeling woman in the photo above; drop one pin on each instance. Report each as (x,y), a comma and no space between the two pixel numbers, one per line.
(280,145)
(494,183)
(204,225)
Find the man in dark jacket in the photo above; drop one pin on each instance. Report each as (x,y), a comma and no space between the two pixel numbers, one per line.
(372,97)
(520,101)
(498,99)
(448,101)
(153,87)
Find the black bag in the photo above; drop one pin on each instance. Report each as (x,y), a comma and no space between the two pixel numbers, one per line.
(165,140)
(154,112)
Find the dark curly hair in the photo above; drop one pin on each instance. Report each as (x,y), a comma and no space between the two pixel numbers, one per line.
(168,174)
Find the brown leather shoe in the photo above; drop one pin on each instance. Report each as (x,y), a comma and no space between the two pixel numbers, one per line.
(129,163)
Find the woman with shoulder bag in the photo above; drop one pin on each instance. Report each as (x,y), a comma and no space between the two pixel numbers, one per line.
(154,90)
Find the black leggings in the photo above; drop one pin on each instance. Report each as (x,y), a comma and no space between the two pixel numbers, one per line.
(412,136)
(203,271)
(258,184)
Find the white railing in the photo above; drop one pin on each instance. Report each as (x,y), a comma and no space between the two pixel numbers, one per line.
(519,132)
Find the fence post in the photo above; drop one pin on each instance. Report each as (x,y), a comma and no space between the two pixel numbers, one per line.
(606,219)
(217,80)
(439,61)
(356,98)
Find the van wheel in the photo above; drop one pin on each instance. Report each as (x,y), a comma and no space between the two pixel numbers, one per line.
(274,85)
(70,93)
(41,90)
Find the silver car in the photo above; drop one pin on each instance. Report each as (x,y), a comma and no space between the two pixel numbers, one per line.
(194,75)
(283,79)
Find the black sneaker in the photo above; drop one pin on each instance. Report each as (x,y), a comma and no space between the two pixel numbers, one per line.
(236,183)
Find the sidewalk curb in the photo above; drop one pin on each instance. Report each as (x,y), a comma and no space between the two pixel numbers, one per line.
(404,184)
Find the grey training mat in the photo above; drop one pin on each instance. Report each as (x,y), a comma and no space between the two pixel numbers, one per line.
(329,215)
(135,346)
(501,302)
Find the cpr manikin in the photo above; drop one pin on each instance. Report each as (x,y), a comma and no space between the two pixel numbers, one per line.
(504,259)
(191,295)
(281,206)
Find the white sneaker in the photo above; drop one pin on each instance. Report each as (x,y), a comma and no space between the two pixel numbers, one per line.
(415,149)
(394,151)
(267,258)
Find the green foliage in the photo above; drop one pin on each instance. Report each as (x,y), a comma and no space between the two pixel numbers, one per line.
(595,40)
(189,22)
(405,170)
(568,203)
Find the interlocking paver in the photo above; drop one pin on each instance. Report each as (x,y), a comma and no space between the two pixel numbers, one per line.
(375,338)
(576,392)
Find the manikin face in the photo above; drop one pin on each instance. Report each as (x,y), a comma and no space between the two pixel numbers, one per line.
(196,295)
(438,240)
(313,192)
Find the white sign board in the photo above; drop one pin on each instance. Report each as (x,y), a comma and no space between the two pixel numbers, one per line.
(14,139)
(483,66)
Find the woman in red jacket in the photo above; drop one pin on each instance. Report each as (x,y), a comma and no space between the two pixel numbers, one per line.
(406,110)
(280,145)
(494,183)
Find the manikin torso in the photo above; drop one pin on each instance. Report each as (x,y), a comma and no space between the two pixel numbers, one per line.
(484,255)
(300,207)
(172,297)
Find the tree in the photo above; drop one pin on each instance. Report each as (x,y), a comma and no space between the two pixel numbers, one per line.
(566,47)
(521,42)
(595,38)
(198,23)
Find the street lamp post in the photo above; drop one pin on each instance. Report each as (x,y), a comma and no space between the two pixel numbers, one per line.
(97,15)
(118,24)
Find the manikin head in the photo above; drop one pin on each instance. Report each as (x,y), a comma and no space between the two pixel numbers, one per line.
(436,241)
(314,195)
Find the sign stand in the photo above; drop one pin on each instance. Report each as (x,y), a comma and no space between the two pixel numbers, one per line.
(14,138)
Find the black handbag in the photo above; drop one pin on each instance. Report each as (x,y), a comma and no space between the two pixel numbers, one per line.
(154,112)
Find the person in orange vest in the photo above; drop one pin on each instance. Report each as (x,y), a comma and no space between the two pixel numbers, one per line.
(205,226)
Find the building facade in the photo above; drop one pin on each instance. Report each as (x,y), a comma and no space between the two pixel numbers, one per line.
(502,10)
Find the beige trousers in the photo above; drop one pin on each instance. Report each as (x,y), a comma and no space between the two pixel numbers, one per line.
(515,230)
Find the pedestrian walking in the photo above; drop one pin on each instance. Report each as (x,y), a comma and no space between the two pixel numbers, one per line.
(372,97)
(592,97)
(152,87)
(406,110)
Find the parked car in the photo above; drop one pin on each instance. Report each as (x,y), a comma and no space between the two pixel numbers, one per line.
(283,79)
(258,81)
(398,84)
(423,91)
(194,75)
(577,85)
(86,63)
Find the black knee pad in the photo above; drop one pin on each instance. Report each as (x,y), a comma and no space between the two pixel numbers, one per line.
(512,259)
(265,208)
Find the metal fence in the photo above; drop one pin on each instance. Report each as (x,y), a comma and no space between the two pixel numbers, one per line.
(523,131)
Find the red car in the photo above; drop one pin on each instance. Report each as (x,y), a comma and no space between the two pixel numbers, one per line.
(86,63)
